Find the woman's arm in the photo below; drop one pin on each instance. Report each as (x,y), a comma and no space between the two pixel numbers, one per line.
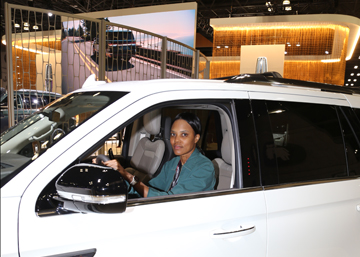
(140,187)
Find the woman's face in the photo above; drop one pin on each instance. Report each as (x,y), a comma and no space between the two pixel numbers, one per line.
(183,139)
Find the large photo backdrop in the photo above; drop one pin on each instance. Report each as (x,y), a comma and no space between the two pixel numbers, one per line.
(130,55)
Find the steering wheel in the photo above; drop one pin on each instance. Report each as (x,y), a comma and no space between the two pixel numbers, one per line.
(101,158)
(56,135)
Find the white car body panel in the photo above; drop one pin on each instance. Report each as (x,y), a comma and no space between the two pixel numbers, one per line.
(9,226)
(316,220)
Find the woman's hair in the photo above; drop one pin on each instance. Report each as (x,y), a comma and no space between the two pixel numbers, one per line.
(191,119)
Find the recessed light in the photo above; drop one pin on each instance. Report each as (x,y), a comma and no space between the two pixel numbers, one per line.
(218,46)
(326,52)
(355,67)
(226,46)
(346,84)
(351,84)
(289,45)
(349,79)
(17,25)
(50,14)
(285,52)
(351,74)
(358,74)
(35,27)
(298,44)
(355,80)
(26,24)
(26,28)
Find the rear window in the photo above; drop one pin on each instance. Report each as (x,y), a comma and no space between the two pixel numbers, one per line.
(119,35)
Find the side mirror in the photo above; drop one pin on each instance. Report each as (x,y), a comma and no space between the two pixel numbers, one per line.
(92,188)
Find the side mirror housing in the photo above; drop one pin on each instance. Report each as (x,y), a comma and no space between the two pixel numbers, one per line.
(92,188)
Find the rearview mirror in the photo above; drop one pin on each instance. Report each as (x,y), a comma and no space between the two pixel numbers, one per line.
(92,188)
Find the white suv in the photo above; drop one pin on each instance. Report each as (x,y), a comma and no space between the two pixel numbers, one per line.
(286,154)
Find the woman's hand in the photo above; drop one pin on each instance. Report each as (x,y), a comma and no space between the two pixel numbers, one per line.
(141,188)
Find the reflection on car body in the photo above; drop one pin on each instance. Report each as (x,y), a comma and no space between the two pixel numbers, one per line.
(26,102)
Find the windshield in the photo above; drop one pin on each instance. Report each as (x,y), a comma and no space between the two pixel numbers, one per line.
(25,142)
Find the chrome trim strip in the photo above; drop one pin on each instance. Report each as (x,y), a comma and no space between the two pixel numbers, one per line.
(190,196)
(232,232)
(308,183)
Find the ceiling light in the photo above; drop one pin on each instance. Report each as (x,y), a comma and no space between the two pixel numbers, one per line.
(355,67)
(285,2)
(358,74)
(298,44)
(355,80)
(35,27)
(289,44)
(269,9)
(50,14)
(218,47)
(268,4)
(17,25)
(285,52)
(349,79)
(26,24)
(351,74)
(346,84)
(351,84)
(326,52)
(226,46)
(26,28)
(288,8)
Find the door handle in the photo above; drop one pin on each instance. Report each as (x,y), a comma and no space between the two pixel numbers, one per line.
(241,231)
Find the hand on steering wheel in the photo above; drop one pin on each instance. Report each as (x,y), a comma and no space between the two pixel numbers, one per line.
(102,158)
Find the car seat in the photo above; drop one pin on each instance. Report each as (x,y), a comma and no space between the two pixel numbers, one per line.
(148,153)
(223,167)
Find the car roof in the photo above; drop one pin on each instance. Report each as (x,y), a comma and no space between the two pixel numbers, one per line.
(274,86)
(36,91)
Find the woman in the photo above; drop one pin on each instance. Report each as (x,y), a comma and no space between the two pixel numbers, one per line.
(189,171)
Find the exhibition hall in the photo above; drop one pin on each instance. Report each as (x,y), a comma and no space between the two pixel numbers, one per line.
(180,127)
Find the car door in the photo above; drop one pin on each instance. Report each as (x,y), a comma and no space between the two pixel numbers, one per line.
(214,223)
(311,195)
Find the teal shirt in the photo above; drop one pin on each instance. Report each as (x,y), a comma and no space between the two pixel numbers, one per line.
(196,175)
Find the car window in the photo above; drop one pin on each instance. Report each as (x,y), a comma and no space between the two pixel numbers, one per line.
(32,102)
(351,129)
(34,135)
(249,155)
(119,35)
(303,142)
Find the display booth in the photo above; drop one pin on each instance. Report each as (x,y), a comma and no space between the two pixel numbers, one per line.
(316,46)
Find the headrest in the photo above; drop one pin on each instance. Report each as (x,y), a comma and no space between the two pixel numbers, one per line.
(152,122)
(226,148)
